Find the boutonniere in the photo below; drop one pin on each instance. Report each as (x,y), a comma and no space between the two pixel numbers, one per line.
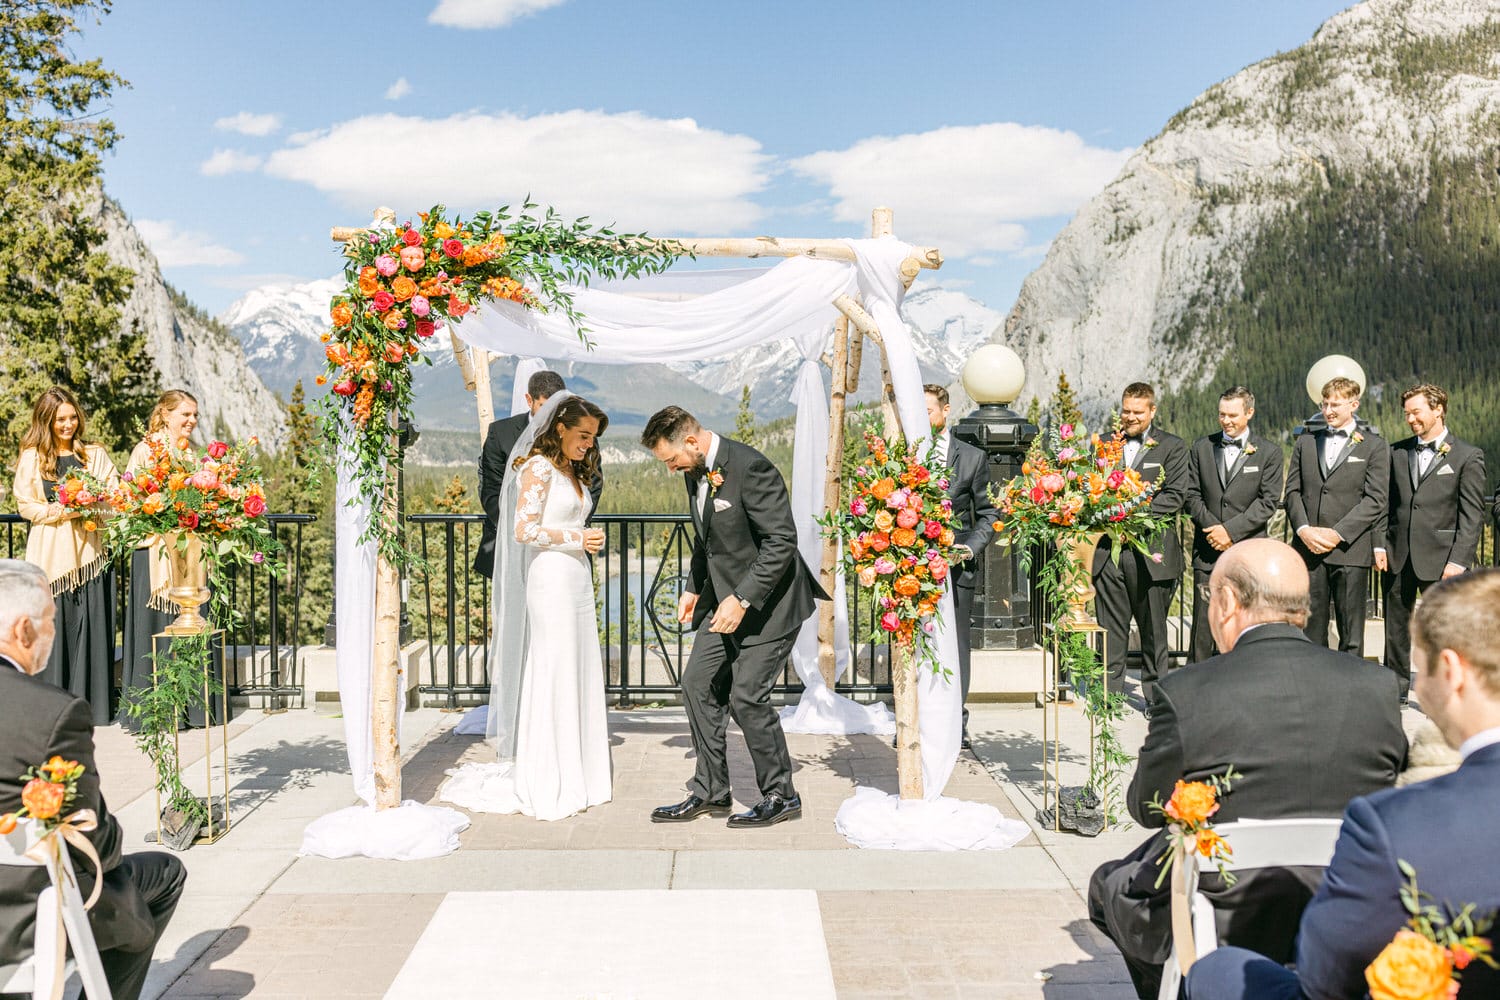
(1444,448)
(1150,443)
(715,481)
(1356,437)
(1250,449)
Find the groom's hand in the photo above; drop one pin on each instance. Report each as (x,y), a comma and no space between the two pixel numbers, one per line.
(685,605)
(728,616)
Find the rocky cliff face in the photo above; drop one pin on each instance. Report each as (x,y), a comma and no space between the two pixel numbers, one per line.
(1388,87)
(190,350)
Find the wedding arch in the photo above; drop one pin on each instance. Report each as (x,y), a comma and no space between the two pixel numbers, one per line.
(853,286)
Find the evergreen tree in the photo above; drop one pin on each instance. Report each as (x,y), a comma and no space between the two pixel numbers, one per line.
(60,296)
(1063,407)
(1034,411)
(744,420)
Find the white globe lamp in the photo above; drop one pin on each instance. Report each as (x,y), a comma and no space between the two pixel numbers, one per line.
(1331,367)
(994,375)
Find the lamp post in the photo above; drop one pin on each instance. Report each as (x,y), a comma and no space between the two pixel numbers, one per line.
(993,377)
(1325,368)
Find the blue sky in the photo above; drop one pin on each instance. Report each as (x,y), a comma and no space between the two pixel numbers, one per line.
(251,127)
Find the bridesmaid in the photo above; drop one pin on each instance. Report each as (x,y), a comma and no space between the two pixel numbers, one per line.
(172,422)
(73,557)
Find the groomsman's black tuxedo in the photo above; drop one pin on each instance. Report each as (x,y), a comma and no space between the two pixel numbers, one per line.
(493,461)
(140,891)
(968,489)
(1350,498)
(1434,519)
(746,547)
(1240,495)
(1140,587)
(1306,728)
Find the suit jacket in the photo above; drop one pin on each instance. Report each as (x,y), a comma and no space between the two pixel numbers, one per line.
(1307,728)
(968,489)
(746,545)
(1166,459)
(1242,500)
(42,721)
(493,461)
(1439,519)
(1350,498)
(1444,828)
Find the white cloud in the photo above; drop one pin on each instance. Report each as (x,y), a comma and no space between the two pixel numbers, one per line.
(668,176)
(966,189)
(398,90)
(174,247)
(247,123)
(485,13)
(228,161)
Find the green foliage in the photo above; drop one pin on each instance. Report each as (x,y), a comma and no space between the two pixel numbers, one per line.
(1063,407)
(179,670)
(60,296)
(744,420)
(1418,66)
(1397,270)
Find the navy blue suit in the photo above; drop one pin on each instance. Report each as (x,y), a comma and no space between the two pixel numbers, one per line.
(1443,827)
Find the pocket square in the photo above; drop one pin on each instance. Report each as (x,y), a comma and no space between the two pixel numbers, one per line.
(1353,459)
(1151,465)
(1251,468)
(721,505)
(1446,470)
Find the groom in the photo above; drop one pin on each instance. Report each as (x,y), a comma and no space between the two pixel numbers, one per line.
(747,595)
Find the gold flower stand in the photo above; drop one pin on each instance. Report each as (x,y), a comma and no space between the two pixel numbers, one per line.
(1050,700)
(218,822)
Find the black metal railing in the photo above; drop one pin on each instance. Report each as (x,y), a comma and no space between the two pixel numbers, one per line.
(639,576)
(264,644)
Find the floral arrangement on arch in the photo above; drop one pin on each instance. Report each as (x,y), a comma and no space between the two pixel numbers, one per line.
(1426,958)
(898,532)
(404,282)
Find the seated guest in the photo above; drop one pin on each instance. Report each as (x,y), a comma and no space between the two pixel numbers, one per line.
(1306,728)
(1444,827)
(140,891)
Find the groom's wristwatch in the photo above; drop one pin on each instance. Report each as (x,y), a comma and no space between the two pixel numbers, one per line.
(744,604)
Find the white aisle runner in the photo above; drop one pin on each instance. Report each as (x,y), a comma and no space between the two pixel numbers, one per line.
(631,944)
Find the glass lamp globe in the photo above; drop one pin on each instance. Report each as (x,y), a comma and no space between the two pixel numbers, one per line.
(994,374)
(1333,366)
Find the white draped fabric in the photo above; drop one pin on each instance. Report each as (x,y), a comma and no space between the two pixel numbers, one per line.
(793,299)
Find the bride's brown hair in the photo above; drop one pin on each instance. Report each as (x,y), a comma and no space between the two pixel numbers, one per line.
(570,413)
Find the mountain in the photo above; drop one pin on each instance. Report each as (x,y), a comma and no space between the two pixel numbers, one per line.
(190,350)
(280,325)
(1337,198)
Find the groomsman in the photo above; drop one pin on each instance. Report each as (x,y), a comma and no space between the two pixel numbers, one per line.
(967,488)
(1140,586)
(1336,490)
(1234,486)
(1436,517)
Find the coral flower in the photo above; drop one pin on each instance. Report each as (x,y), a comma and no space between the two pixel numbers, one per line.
(413,259)
(43,799)
(1192,802)
(908,518)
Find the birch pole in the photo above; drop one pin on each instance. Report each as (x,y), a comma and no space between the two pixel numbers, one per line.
(827,659)
(385,686)
(483,395)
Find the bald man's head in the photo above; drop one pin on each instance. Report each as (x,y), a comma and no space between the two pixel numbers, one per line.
(1256,581)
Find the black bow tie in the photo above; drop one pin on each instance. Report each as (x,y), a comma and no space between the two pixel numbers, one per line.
(1134,438)
(1230,442)
(1338,434)
(1427,446)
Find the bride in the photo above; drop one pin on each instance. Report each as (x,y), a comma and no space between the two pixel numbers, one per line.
(546,714)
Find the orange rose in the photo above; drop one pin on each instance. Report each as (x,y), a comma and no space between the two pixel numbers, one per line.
(392,321)
(177,481)
(369,281)
(904,538)
(43,799)
(403,288)
(442,230)
(883,488)
(1192,802)
(7,824)
(907,586)
(855,549)
(884,521)
(880,541)
(1410,968)
(946,538)
(59,768)
(342,314)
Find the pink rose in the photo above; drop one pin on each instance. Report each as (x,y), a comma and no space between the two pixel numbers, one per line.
(907,518)
(453,248)
(254,506)
(344,388)
(867,576)
(932,530)
(947,504)
(890,622)
(1156,557)
(1066,430)
(929,626)
(1052,482)
(204,480)
(884,566)
(411,238)
(412,258)
(1102,463)
(1067,454)
(217,450)
(939,570)
(942,484)
(188,519)
(896,500)
(386,265)
(383,300)
(420,306)
(857,507)
(887,603)
(1115,479)
(1038,495)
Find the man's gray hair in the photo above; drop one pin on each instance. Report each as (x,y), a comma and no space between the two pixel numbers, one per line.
(1260,601)
(24,592)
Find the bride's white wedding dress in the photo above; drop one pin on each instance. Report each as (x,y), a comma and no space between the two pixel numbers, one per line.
(562,763)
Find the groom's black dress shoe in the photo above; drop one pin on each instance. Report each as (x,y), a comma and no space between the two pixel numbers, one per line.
(771,809)
(688,808)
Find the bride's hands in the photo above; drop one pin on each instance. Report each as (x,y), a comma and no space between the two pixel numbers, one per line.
(593,540)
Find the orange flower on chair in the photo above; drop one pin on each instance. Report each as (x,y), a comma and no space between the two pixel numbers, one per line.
(1192,802)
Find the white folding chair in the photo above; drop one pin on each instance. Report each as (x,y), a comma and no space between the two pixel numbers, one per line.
(1257,843)
(37,974)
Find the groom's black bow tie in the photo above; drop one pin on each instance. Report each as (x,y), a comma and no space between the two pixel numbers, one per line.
(1338,434)
(1427,446)
(1135,438)
(1230,442)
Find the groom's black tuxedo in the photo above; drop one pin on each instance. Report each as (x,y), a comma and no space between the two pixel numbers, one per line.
(746,547)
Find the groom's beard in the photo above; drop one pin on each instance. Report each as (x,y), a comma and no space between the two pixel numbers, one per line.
(700,468)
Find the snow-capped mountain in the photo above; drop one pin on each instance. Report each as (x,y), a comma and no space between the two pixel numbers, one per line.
(280,326)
